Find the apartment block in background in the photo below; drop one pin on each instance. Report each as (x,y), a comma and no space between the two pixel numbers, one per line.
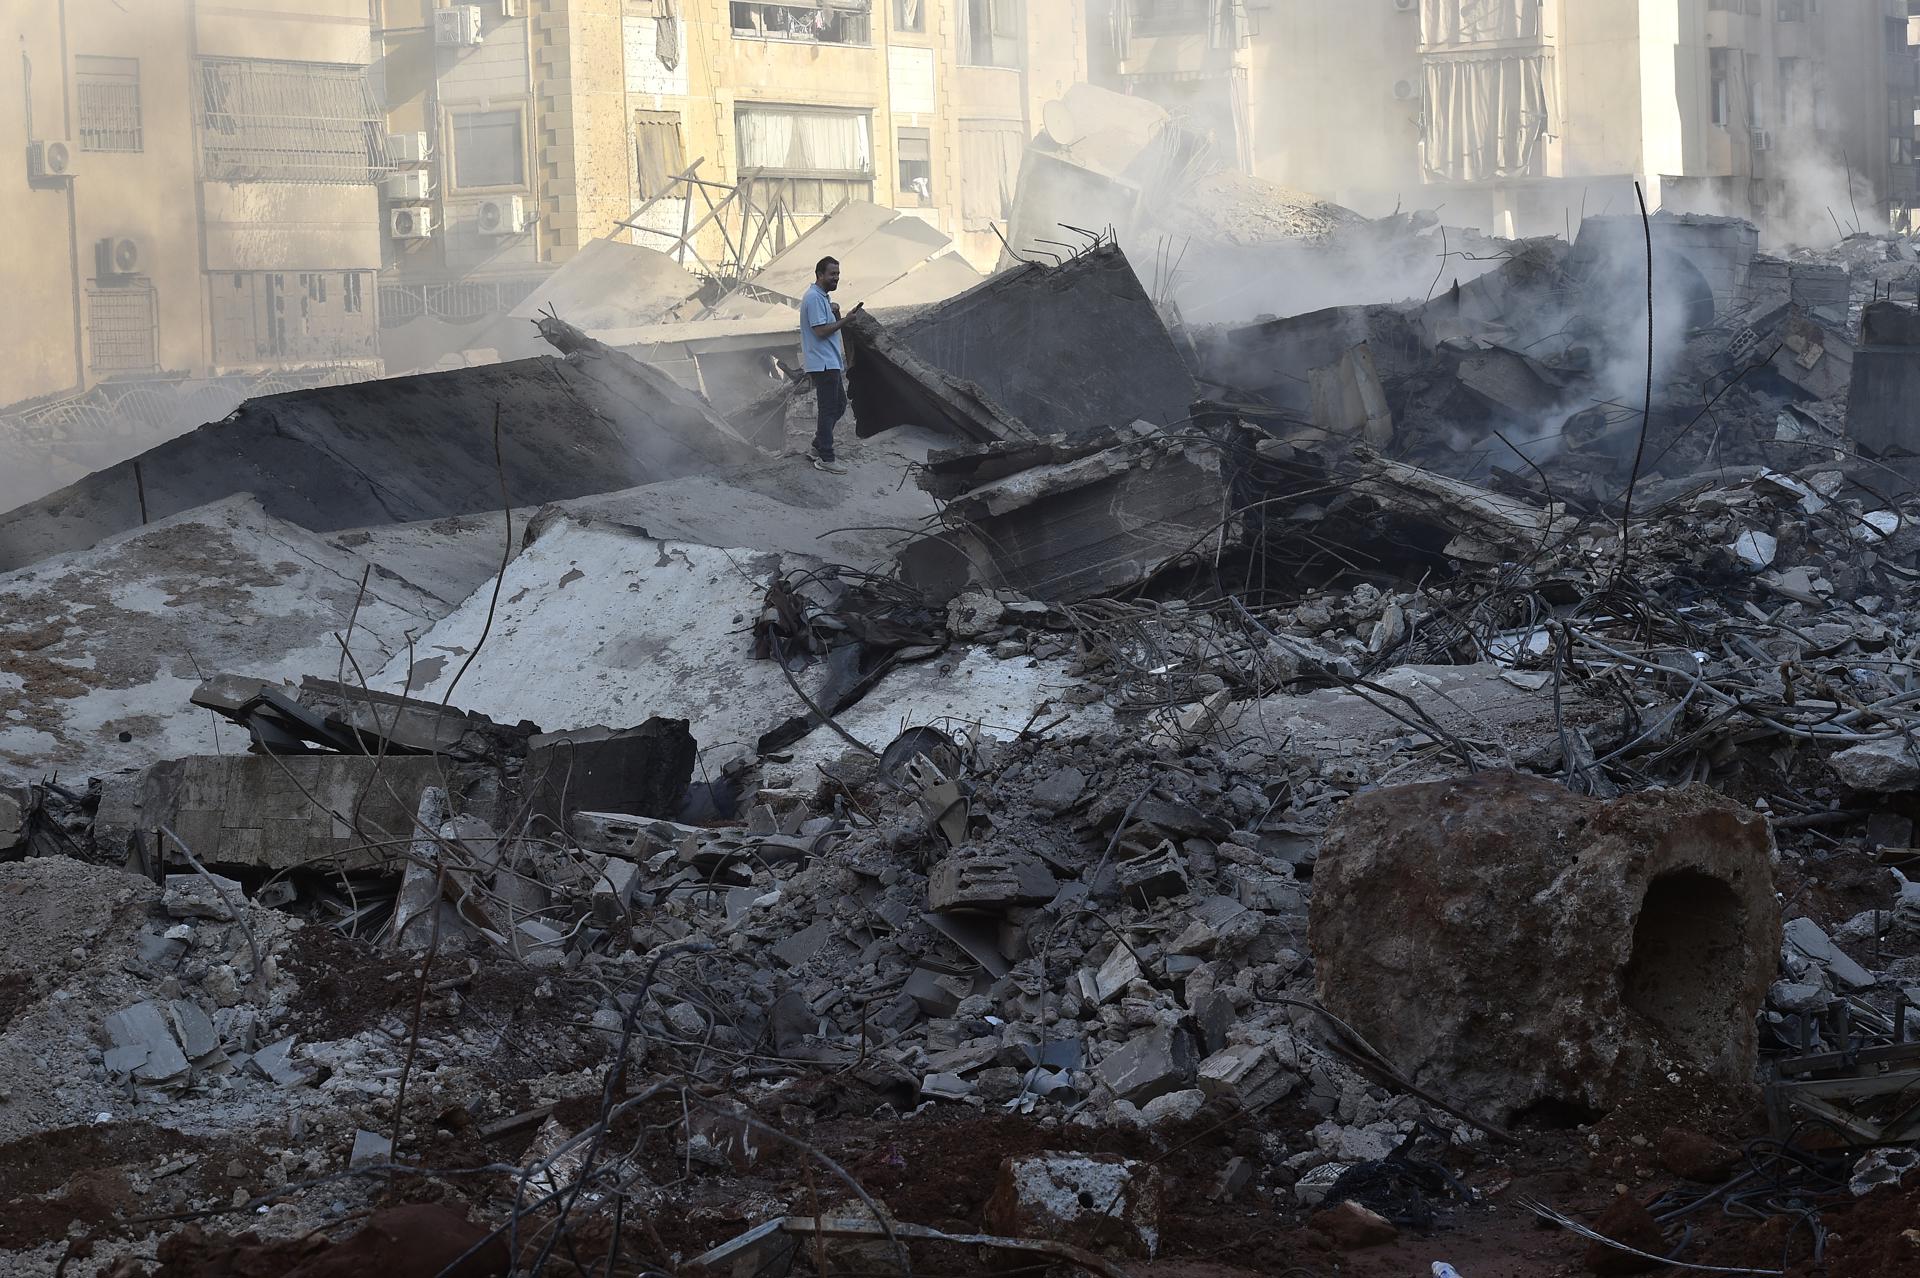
(192,192)
(544,124)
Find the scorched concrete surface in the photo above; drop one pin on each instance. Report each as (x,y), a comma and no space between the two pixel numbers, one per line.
(109,643)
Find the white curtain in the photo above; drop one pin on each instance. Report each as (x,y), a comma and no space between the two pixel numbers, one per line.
(989,170)
(1472,21)
(766,140)
(834,143)
(1487,117)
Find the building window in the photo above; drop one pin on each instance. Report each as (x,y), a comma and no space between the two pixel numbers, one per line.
(658,155)
(914,147)
(266,121)
(990,152)
(123,329)
(814,161)
(813,22)
(1170,17)
(351,296)
(107,93)
(1720,104)
(1792,11)
(909,15)
(992,33)
(488,150)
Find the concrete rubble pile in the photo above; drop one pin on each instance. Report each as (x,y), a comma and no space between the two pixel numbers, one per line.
(1356,779)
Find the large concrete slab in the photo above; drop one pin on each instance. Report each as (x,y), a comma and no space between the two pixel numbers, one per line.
(608,284)
(107,645)
(602,624)
(1073,349)
(402,449)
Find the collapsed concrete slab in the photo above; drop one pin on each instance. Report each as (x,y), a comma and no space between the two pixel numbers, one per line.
(405,448)
(641,771)
(1515,948)
(1071,522)
(610,284)
(1072,349)
(110,643)
(320,812)
(596,621)
(1886,380)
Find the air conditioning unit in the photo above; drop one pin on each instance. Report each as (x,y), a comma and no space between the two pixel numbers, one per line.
(504,216)
(407,148)
(1406,6)
(407,187)
(50,161)
(411,224)
(457,25)
(1405,90)
(116,255)
(510,8)
(1763,139)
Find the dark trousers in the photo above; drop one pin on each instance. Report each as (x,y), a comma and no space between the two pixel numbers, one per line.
(830,389)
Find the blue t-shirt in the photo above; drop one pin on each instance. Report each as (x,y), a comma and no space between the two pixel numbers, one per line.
(820,355)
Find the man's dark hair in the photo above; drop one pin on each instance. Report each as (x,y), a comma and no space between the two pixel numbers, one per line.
(820,267)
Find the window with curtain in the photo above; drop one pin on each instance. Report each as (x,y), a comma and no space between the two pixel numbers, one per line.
(990,152)
(790,140)
(658,154)
(1487,116)
(992,33)
(914,147)
(1444,22)
(909,15)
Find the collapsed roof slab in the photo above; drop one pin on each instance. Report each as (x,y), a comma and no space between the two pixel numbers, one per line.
(402,449)
(1073,350)
(608,284)
(781,504)
(875,246)
(110,643)
(600,624)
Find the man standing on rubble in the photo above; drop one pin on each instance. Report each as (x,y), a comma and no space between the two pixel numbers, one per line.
(825,354)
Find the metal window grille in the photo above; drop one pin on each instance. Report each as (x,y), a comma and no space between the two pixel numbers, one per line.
(107,93)
(123,329)
(458,300)
(289,122)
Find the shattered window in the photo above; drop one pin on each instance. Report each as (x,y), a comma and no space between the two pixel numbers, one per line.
(990,153)
(107,97)
(821,22)
(488,150)
(915,150)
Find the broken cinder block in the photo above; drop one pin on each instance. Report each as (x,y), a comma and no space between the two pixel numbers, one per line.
(1151,1064)
(989,881)
(1101,1203)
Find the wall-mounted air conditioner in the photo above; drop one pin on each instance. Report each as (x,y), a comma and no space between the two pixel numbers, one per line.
(407,148)
(408,187)
(1405,90)
(457,25)
(411,224)
(511,8)
(504,216)
(116,255)
(1763,139)
(50,161)
(1406,6)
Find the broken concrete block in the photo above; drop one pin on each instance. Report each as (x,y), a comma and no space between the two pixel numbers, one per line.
(1806,937)
(192,896)
(1121,969)
(1175,1107)
(1605,938)
(946,1086)
(1270,894)
(144,1027)
(1794,997)
(12,822)
(1878,767)
(1149,875)
(275,1062)
(193,1029)
(643,770)
(1247,1075)
(973,614)
(1099,1202)
(1151,1064)
(937,992)
(1058,791)
(989,881)
(370,1149)
(795,950)
(1314,1184)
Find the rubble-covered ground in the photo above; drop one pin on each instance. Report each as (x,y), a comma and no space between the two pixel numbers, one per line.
(1443,806)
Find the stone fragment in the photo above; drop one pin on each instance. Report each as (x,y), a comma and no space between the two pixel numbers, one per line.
(1314,1184)
(1271,894)
(191,896)
(971,615)
(1175,1107)
(937,992)
(989,881)
(144,1026)
(795,950)
(1120,970)
(1794,997)
(370,1149)
(1352,1227)
(275,1061)
(1149,875)
(1152,1063)
(1247,1075)
(1099,1202)
(1878,767)
(1505,943)
(1059,791)
(1806,938)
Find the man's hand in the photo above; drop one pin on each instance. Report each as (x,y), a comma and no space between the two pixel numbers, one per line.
(836,309)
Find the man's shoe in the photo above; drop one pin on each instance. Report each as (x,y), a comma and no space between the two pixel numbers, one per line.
(827,464)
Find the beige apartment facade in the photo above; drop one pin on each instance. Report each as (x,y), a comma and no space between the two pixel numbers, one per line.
(1520,115)
(190,188)
(548,123)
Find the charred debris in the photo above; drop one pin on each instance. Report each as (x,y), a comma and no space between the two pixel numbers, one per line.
(1370,779)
